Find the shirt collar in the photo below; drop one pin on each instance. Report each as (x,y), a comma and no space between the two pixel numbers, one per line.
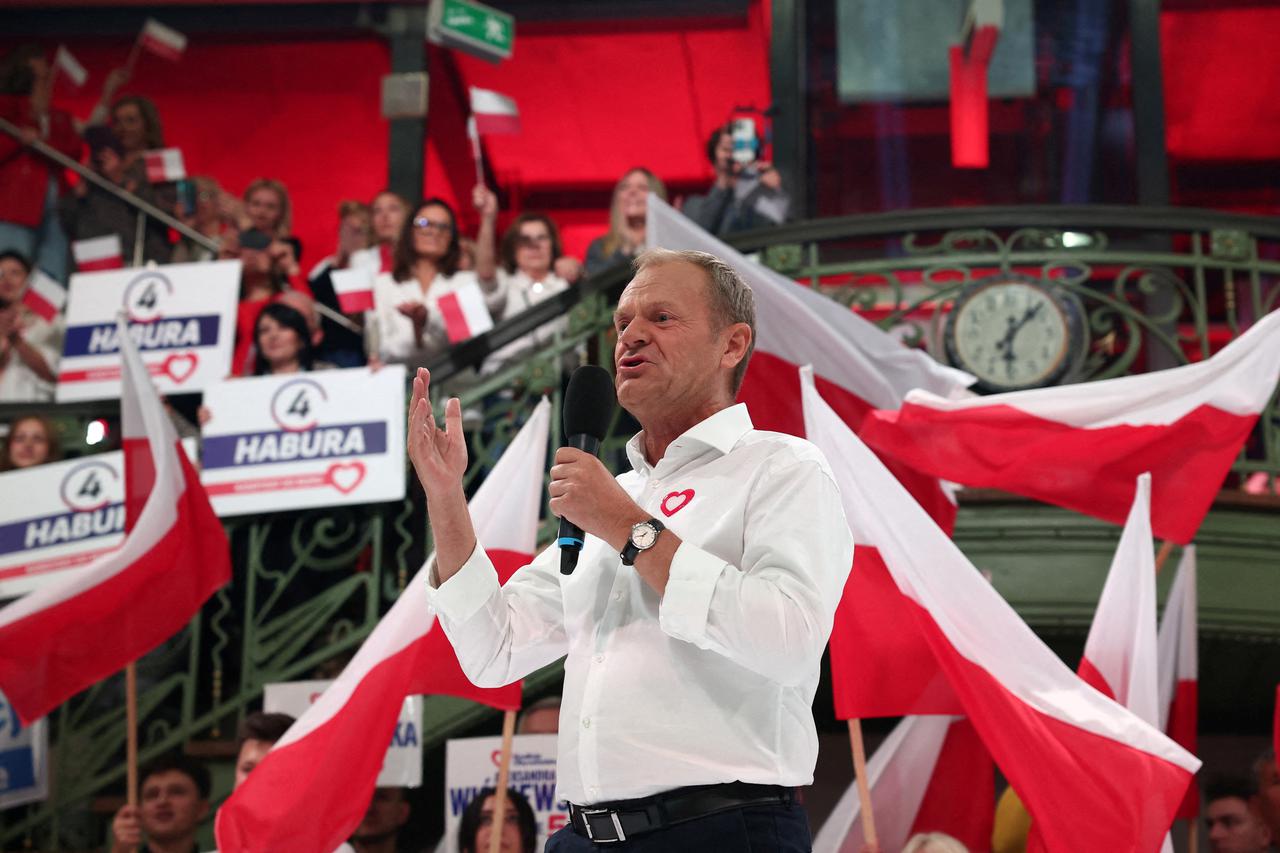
(719,432)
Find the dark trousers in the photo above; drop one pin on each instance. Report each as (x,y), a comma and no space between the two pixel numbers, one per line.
(755,829)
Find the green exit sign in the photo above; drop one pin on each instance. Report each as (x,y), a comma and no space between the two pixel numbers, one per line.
(472,27)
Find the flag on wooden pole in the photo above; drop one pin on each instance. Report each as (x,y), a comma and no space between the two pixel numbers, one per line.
(164,165)
(163,41)
(98,253)
(69,65)
(44,296)
(1179,668)
(494,113)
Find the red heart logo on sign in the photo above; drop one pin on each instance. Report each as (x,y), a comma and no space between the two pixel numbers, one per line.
(346,477)
(181,366)
(675,502)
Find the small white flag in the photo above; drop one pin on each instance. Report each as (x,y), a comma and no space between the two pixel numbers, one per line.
(494,112)
(98,253)
(354,289)
(162,41)
(465,314)
(44,296)
(69,65)
(164,164)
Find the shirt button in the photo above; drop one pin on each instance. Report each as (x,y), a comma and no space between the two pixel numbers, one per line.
(586,722)
(617,596)
(599,658)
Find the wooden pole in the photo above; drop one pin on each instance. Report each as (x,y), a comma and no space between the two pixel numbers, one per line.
(1193,835)
(133,56)
(131,736)
(864,787)
(1162,556)
(504,774)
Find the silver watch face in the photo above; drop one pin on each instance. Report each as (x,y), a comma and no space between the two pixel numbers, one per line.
(643,535)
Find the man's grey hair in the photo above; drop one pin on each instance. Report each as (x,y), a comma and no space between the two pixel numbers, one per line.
(731,298)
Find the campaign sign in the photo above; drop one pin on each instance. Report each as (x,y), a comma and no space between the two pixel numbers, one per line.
(472,763)
(303,440)
(59,517)
(24,758)
(181,316)
(402,766)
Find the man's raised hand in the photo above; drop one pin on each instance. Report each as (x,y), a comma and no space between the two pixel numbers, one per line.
(438,455)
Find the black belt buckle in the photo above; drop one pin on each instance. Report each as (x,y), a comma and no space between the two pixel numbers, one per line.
(611,822)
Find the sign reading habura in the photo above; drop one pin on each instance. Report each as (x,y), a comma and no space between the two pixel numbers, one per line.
(304,440)
(181,316)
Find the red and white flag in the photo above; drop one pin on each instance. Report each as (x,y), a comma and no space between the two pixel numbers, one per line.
(1081,446)
(98,253)
(932,774)
(494,113)
(354,289)
(1179,668)
(44,296)
(858,366)
(164,164)
(464,312)
(61,638)
(163,41)
(285,804)
(65,62)
(1067,749)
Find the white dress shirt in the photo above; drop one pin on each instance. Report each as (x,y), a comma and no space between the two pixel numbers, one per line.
(714,682)
(393,332)
(18,382)
(522,293)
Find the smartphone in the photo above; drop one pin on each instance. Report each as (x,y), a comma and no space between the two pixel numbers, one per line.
(252,238)
(746,146)
(187,196)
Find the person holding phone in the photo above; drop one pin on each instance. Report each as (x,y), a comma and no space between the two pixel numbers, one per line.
(747,192)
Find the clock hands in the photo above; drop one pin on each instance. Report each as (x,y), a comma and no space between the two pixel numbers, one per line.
(1005,344)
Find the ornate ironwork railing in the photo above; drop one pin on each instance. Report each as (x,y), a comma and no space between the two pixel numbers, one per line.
(1156,286)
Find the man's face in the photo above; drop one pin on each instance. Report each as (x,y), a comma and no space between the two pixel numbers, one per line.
(1233,828)
(387,812)
(1269,798)
(13,280)
(171,806)
(544,721)
(669,348)
(252,751)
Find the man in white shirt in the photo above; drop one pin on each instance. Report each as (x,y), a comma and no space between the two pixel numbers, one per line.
(695,622)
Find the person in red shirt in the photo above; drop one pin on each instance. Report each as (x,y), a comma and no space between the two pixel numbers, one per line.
(29,182)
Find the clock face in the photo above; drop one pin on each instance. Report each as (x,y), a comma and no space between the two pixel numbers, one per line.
(1010,334)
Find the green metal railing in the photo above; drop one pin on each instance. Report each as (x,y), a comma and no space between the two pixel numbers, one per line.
(309,587)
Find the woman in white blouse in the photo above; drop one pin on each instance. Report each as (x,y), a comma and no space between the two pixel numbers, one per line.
(405,324)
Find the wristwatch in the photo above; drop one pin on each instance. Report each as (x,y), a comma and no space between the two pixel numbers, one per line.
(643,537)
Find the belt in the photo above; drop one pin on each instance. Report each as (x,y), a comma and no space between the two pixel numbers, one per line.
(606,823)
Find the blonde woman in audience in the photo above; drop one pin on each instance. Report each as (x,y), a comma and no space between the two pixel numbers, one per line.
(627,214)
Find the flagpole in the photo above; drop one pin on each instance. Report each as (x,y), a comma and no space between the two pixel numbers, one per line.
(133,56)
(476,154)
(504,774)
(1193,836)
(131,735)
(1162,556)
(864,787)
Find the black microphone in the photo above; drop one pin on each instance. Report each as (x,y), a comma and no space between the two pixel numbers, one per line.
(588,408)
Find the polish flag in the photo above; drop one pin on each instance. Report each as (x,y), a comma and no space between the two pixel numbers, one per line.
(164,164)
(61,638)
(163,41)
(286,804)
(932,774)
(1066,748)
(44,296)
(65,62)
(494,113)
(464,312)
(858,366)
(1081,446)
(1179,667)
(354,289)
(98,253)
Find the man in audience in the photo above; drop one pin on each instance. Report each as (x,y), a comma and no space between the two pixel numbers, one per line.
(388,812)
(342,347)
(540,718)
(173,800)
(747,192)
(1267,798)
(29,344)
(258,733)
(1230,823)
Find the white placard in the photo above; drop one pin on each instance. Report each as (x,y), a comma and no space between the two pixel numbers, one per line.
(24,758)
(303,440)
(472,763)
(183,317)
(403,765)
(55,518)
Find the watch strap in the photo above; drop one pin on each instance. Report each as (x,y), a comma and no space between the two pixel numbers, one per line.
(631,550)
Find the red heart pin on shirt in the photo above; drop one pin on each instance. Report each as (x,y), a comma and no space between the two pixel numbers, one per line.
(675,502)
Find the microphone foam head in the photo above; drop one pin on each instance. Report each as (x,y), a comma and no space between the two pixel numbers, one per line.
(588,402)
